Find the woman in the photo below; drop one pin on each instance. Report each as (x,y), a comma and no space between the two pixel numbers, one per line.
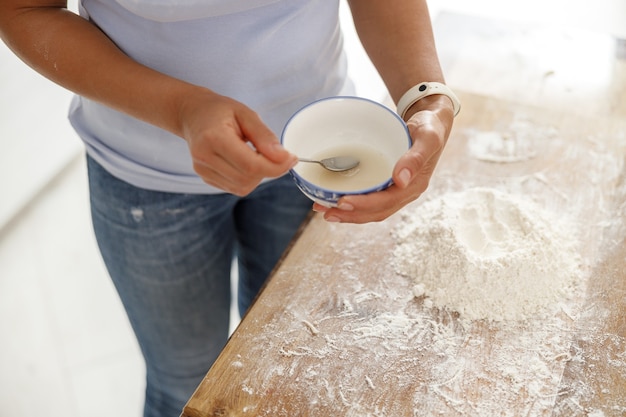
(179,105)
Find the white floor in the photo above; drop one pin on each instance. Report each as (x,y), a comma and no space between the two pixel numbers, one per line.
(66,348)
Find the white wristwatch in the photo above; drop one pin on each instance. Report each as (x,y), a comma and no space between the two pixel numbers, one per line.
(423,90)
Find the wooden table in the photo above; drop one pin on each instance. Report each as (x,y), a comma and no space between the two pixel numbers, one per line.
(336,332)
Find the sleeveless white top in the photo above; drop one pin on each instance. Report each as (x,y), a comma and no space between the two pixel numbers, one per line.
(275,56)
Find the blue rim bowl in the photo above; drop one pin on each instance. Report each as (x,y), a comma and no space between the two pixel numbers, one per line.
(336,120)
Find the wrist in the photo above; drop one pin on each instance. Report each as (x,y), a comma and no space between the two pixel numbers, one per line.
(188,104)
(436,104)
(427,95)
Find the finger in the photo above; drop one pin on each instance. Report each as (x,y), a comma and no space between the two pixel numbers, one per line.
(223,160)
(221,175)
(319,208)
(245,162)
(367,208)
(230,156)
(376,206)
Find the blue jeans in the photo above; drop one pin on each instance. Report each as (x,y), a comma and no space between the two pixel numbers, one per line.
(170,255)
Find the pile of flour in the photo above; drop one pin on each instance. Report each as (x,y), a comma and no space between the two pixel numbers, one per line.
(488,256)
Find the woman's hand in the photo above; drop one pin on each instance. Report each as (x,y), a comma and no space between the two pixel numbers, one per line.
(429,130)
(231,148)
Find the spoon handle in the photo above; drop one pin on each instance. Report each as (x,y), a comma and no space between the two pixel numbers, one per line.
(310,160)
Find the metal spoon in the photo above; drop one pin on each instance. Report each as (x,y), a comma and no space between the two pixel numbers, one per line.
(336,163)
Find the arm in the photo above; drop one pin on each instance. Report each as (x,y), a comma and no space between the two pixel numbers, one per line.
(397,35)
(74,53)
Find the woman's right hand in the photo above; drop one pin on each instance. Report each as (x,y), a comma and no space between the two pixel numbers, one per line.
(231,148)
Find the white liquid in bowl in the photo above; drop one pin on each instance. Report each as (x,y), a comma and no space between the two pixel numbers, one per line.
(374,169)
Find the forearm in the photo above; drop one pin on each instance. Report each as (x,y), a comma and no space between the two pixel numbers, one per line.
(398,38)
(76,55)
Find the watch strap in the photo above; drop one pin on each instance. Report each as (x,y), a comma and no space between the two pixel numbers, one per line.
(426,89)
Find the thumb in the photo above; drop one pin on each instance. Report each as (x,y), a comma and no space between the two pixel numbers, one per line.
(406,167)
(422,157)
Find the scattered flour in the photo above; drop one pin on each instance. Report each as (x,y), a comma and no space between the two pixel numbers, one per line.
(516,144)
(488,255)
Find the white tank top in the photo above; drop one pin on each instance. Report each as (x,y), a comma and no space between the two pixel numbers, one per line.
(273,55)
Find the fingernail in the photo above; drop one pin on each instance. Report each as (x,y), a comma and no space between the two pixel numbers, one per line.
(345,206)
(405,177)
(333,219)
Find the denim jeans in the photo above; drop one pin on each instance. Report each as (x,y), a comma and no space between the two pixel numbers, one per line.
(170,255)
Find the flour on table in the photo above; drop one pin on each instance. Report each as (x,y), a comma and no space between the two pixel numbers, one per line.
(516,144)
(488,255)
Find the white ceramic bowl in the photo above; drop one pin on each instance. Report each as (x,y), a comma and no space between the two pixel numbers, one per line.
(339,126)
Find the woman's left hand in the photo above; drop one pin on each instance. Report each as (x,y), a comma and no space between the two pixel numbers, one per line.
(411,175)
